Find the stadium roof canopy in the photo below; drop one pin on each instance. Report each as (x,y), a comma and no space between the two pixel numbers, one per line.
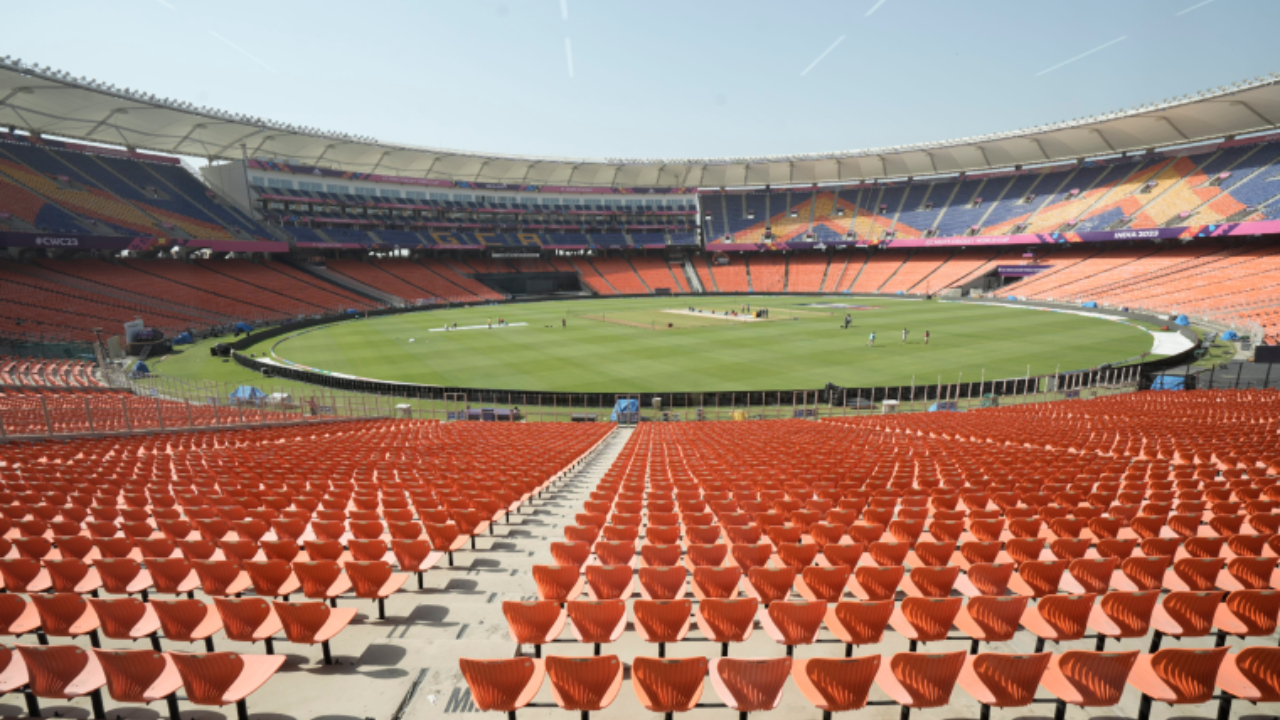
(48,101)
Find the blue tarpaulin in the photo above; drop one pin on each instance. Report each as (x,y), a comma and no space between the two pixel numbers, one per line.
(183,338)
(247,393)
(1091,304)
(352,311)
(942,407)
(140,370)
(1169,382)
(1230,335)
(629,408)
(244,327)
(1182,320)
(1011,297)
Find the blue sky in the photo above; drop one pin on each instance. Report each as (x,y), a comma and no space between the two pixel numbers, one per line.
(659,78)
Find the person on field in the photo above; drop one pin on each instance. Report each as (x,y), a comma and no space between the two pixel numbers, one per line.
(564,323)
(904,336)
(871,341)
(926,337)
(848,320)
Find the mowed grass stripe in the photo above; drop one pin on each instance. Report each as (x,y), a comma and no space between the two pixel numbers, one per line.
(592,356)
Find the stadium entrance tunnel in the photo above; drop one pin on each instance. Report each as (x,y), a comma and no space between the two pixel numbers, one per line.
(538,283)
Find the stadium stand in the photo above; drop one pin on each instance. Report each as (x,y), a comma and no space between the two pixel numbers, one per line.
(880,268)
(807,273)
(83,192)
(981,538)
(768,273)
(619,274)
(730,278)
(1227,183)
(657,273)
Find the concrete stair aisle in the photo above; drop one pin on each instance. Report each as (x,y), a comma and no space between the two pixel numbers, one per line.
(690,274)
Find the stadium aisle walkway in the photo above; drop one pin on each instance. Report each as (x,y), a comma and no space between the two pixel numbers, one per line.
(498,572)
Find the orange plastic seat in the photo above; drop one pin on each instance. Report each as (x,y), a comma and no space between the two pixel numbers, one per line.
(322,580)
(534,623)
(313,623)
(225,678)
(1058,618)
(331,550)
(668,686)
(797,556)
(610,582)
(1246,613)
(823,583)
(188,621)
(749,685)
(66,615)
(73,576)
(127,619)
(173,576)
(615,553)
(584,684)
(1253,675)
(1141,573)
(1002,680)
(561,583)
(662,583)
(141,676)
(841,555)
(1184,614)
(447,537)
(660,555)
(375,580)
(1193,574)
(726,621)
(1176,677)
(770,584)
(597,621)
(859,623)
(272,578)
(920,680)
(221,578)
(706,556)
(570,553)
(834,685)
(985,579)
(793,623)
(751,556)
(932,582)
(249,620)
(925,619)
(889,553)
(873,582)
(1087,679)
(63,672)
(24,575)
(1121,615)
(990,619)
(1089,575)
(1037,578)
(662,621)
(1248,573)
(719,583)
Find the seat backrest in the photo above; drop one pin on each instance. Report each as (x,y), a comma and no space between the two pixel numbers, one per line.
(754,684)
(596,620)
(1012,679)
(500,685)
(717,582)
(130,673)
(242,616)
(663,583)
(1256,609)
(827,583)
(52,668)
(368,577)
(118,616)
(58,612)
(180,618)
(997,616)
(844,555)
(584,683)
(931,617)
(864,621)
(609,582)
(1193,610)
(1146,572)
(662,620)
(208,676)
(1131,611)
(879,582)
(1099,677)
(1189,673)
(668,685)
(570,553)
(843,684)
(1066,614)
(771,584)
(1261,667)
(935,581)
(555,582)
(927,678)
(301,621)
(798,622)
(729,620)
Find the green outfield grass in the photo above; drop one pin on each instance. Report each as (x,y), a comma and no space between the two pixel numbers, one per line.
(625,346)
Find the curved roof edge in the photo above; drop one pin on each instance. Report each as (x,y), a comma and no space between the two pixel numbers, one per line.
(48,101)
